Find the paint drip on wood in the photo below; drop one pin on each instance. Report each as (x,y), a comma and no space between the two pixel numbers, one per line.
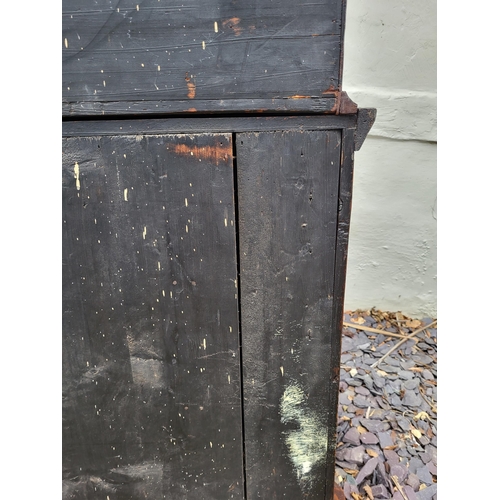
(307,441)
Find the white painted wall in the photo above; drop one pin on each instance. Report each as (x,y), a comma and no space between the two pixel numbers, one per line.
(390,64)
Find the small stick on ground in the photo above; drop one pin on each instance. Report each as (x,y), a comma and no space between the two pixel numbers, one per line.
(398,486)
(401,342)
(374,330)
(433,407)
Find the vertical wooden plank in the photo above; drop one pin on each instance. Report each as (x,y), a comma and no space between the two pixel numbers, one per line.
(287,198)
(151,374)
(344,219)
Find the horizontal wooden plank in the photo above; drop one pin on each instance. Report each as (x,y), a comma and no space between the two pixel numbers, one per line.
(212,124)
(301,104)
(159,51)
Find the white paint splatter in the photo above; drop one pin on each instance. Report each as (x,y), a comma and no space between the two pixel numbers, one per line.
(77,176)
(307,445)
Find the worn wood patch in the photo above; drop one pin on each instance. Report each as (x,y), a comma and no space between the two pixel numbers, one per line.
(151,374)
(215,51)
(288,192)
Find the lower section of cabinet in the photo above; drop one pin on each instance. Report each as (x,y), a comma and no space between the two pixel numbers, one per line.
(202,302)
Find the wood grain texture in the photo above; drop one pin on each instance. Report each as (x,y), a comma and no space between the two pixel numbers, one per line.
(209,124)
(340,271)
(178,56)
(287,199)
(151,374)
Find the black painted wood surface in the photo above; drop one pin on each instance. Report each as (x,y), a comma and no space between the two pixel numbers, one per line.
(288,186)
(151,373)
(216,124)
(149,56)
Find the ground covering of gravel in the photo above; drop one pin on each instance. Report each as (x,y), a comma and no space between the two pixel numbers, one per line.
(387,414)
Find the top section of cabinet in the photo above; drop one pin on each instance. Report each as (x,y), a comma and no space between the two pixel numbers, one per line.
(202,56)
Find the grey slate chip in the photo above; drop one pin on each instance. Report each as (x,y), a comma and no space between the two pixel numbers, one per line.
(432,468)
(378,381)
(374,425)
(352,437)
(415,463)
(424,440)
(424,475)
(368,438)
(367,470)
(410,494)
(404,423)
(392,361)
(356,455)
(407,375)
(413,399)
(377,413)
(362,390)
(422,359)
(407,364)
(391,456)
(385,439)
(361,401)
(396,401)
(354,381)
(400,471)
(380,491)
(413,481)
(344,398)
(427,493)
(390,368)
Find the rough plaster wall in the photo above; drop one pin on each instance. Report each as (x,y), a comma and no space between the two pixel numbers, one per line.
(390,64)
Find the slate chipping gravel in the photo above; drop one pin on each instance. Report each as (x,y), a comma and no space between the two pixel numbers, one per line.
(387,415)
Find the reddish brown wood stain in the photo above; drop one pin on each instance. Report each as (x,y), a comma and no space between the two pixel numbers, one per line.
(191,87)
(233,24)
(338,494)
(213,153)
(331,90)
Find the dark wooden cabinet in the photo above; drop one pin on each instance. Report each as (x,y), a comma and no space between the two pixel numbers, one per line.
(204,255)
